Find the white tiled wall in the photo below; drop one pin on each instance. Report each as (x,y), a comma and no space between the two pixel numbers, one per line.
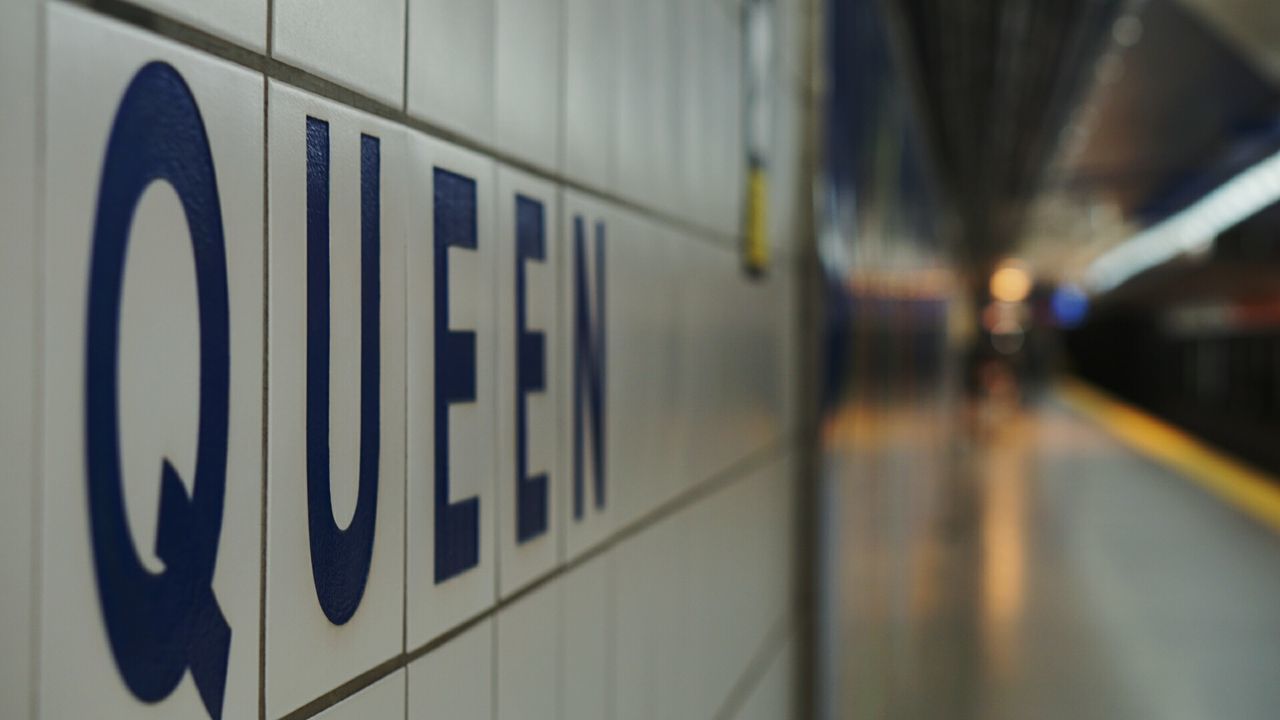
(451,64)
(19,24)
(528,49)
(92,61)
(294,627)
(774,695)
(435,604)
(240,21)
(651,598)
(590,66)
(456,679)
(357,45)
(530,671)
(523,560)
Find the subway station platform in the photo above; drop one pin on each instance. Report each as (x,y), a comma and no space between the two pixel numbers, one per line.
(1077,559)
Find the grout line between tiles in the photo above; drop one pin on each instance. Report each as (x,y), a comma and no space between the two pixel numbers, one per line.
(725,478)
(761,659)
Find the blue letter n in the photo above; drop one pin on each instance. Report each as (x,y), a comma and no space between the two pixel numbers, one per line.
(588,363)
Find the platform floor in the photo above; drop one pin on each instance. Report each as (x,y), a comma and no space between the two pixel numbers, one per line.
(1042,569)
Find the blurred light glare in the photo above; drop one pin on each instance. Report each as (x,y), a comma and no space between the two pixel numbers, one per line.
(1191,230)
(1010,283)
(1069,304)
(1127,30)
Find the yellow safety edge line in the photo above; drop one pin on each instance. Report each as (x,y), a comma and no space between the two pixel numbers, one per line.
(1248,489)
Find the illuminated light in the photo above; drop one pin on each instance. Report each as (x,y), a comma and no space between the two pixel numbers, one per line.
(1190,231)
(1127,31)
(1010,283)
(1069,305)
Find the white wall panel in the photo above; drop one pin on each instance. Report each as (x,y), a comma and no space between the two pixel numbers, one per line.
(358,45)
(456,679)
(528,78)
(774,696)
(590,85)
(665,365)
(587,647)
(653,643)
(117,238)
(450,499)
(752,568)
(634,155)
(320,151)
(784,170)
(589,228)
(529,656)
(19,113)
(726,154)
(527,287)
(241,21)
(688,133)
(670,419)
(451,65)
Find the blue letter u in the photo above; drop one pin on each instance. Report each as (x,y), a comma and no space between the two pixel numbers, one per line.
(340,558)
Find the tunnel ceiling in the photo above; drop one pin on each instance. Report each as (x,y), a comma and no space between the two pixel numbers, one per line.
(1061,128)
(1169,119)
(996,80)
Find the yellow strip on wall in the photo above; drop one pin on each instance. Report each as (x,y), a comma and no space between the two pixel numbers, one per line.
(756,241)
(1248,489)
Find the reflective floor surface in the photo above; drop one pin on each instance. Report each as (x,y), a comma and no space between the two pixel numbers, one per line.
(1001,563)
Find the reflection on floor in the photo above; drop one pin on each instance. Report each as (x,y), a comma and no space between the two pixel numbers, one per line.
(1040,569)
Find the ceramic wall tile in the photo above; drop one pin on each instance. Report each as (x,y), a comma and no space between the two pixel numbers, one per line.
(383,699)
(336,389)
(243,22)
(527,80)
(774,695)
(587,621)
(153,399)
(731,609)
(456,679)
(589,88)
(589,501)
(725,158)
(529,640)
(653,642)
(529,342)
(634,156)
(19,32)
(452,372)
(637,385)
(687,135)
(357,45)
(451,65)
